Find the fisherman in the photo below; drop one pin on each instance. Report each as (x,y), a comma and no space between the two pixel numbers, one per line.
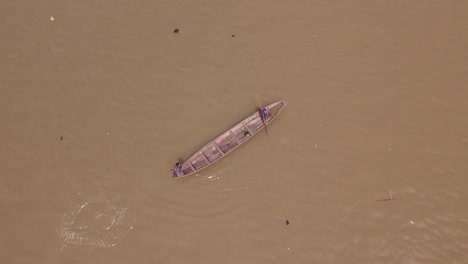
(263,113)
(177,169)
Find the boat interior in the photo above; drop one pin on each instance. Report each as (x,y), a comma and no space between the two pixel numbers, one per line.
(227,141)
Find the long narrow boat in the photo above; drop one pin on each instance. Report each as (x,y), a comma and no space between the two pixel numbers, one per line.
(229,140)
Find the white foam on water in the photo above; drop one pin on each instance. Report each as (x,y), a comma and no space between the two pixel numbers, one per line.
(96,220)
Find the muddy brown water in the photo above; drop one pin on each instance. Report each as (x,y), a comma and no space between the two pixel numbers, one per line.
(100,98)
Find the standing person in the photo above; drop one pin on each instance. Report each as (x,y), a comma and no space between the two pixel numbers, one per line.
(263,113)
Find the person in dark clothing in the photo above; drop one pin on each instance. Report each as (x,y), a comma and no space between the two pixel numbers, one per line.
(263,113)
(177,169)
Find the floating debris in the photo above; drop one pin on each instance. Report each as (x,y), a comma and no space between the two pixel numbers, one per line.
(287,222)
(52,18)
(61,138)
(176,30)
(233,35)
(391,198)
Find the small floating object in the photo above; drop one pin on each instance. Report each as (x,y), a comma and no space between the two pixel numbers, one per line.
(52,18)
(391,198)
(61,138)
(176,30)
(287,222)
(233,35)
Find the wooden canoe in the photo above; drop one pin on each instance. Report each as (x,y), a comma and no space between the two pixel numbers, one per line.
(229,140)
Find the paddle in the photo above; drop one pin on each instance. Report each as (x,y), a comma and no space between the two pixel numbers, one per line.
(261,116)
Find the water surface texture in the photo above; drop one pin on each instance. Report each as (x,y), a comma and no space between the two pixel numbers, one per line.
(98,99)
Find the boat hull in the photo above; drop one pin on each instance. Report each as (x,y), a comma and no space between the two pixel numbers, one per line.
(228,141)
